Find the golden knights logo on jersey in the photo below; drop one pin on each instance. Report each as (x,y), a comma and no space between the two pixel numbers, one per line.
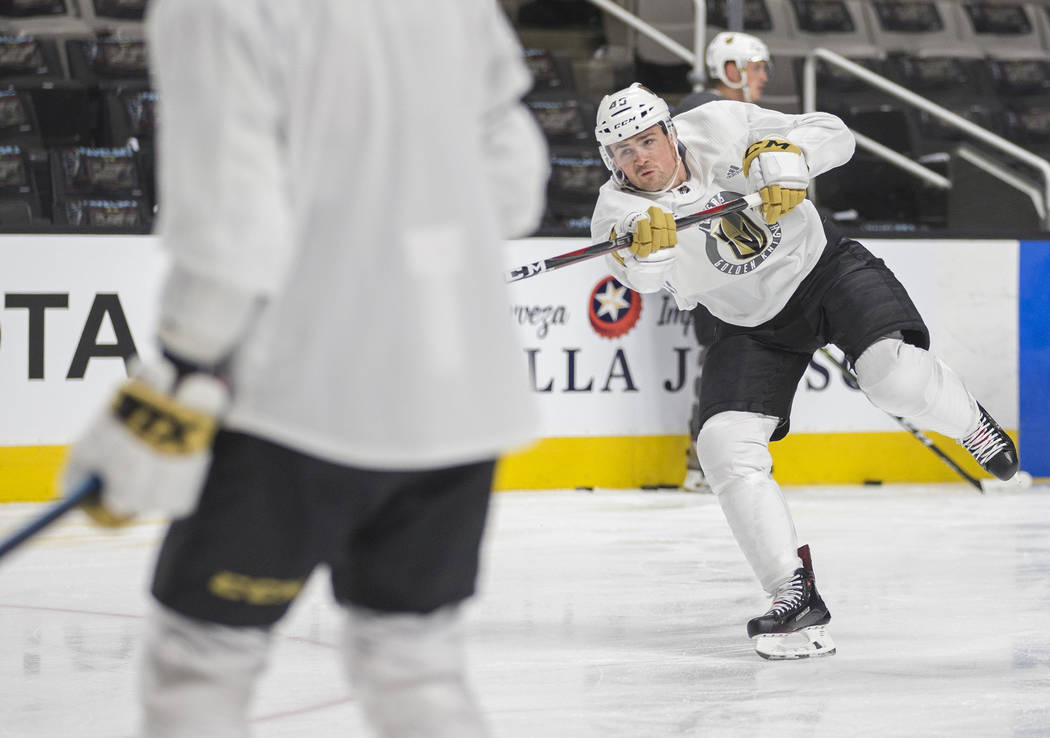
(741,234)
(739,242)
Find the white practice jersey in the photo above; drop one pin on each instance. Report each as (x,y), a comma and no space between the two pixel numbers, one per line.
(357,164)
(740,268)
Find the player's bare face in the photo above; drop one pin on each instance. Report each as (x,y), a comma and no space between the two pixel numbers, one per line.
(757,77)
(648,160)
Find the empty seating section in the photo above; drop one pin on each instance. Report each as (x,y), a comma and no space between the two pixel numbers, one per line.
(77,112)
(1015,40)
(566,119)
(76,116)
(985,60)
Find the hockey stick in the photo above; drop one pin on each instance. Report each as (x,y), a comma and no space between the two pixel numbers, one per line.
(1021,479)
(87,489)
(589,252)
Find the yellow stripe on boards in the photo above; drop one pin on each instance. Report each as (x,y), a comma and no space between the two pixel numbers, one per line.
(608,461)
(855,458)
(27,473)
(801,458)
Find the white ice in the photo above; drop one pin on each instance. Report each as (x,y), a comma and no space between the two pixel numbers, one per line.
(611,614)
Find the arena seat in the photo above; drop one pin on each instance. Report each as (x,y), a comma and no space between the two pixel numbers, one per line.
(52,18)
(564,118)
(18,121)
(105,60)
(102,214)
(114,17)
(921,27)
(64,111)
(20,203)
(98,187)
(551,71)
(576,174)
(1028,125)
(127,112)
(960,84)
(24,56)
(38,8)
(839,25)
(32,36)
(60,108)
(1003,29)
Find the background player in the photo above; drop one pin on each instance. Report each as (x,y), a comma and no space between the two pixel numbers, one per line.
(738,68)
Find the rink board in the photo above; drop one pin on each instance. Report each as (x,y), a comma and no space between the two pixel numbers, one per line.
(612,370)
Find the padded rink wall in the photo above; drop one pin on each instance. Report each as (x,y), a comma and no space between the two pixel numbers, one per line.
(612,370)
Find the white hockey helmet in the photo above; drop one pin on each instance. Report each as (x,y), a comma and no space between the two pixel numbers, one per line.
(626,113)
(739,48)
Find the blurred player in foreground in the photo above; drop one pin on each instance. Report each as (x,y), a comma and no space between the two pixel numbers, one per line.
(337,374)
(782,284)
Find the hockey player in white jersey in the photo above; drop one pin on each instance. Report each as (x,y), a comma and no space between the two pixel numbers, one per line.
(338,376)
(782,284)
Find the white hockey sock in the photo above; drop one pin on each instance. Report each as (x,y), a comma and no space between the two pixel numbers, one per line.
(734,453)
(758,515)
(197,678)
(914,384)
(409,674)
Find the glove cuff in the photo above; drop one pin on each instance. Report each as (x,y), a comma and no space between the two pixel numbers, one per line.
(768,146)
(186,383)
(629,222)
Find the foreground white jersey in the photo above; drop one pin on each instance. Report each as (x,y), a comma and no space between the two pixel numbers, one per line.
(365,200)
(738,267)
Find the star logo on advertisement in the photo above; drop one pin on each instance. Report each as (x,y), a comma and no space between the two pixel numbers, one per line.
(614,309)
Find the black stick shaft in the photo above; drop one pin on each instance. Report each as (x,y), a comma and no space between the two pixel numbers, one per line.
(589,252)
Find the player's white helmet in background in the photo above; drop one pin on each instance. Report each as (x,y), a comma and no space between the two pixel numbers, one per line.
(626,113)
(739,48)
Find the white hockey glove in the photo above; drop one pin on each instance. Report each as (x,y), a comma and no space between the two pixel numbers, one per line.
(151,446)
(776,169)
(653,230)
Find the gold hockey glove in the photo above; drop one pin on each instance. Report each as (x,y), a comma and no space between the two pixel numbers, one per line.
(776,169)
(653,230)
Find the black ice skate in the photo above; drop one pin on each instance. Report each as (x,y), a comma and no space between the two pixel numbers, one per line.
(991,447)
(795,625)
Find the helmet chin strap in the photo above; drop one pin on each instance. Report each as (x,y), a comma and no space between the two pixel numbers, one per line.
(741,85)
(674,174)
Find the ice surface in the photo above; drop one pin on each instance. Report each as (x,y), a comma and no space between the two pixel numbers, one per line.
(612,614)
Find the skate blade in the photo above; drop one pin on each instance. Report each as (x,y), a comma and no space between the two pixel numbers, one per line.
(810,642)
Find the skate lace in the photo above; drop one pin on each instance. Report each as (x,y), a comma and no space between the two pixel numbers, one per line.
(789,596)
(985,442)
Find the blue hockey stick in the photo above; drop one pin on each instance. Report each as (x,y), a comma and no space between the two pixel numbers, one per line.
(89,488)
